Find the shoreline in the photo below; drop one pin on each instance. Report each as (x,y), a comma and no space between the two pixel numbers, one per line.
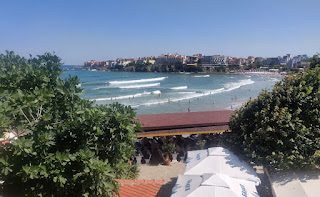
(253,72)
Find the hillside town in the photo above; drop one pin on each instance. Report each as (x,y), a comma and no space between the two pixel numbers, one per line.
(200,63)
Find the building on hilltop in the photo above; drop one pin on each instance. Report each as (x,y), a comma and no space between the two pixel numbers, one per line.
(214,60)
(258,59)
(299,60)
(194,59)
(171,59)
(124,62)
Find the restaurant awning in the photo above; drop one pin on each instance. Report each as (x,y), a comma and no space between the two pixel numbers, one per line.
(184,123)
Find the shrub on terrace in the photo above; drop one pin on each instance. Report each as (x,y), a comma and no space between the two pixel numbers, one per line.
(281,128)
(67,146)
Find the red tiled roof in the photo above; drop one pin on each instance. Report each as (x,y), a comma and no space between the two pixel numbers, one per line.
(152,122)
(138,188)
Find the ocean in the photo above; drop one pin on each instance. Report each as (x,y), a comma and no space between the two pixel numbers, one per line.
(153,93)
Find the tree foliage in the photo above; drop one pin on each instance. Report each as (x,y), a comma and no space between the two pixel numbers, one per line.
(67,146)
(281,128)
(315,61)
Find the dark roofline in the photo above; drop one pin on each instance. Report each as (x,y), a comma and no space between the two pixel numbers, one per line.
(155,122)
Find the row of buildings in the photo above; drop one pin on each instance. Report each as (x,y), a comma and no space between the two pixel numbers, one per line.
(202,60)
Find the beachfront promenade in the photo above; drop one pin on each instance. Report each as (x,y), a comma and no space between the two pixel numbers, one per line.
(170,124)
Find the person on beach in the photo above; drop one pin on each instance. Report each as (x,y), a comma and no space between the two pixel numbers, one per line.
(178,102)
(169,100)
(231,106)
(189,100)
(188,109)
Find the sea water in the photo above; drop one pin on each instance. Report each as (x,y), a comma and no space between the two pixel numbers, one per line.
(153,93)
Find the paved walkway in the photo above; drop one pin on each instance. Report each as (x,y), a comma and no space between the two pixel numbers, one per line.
(161,172)
(296,184)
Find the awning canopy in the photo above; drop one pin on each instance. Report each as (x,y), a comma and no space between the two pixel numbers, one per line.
(219,160)
(213,185)
(184,123)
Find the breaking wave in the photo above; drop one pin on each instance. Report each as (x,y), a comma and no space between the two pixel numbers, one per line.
(179,88)
(191,95)
(137,81)
(235,85)
(141,86)
(202,76)
(126,96)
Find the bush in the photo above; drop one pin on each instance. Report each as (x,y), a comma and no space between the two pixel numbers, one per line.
(201,144)
(67,146)
(281,128)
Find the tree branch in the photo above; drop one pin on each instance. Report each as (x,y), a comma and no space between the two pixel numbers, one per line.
(24,115)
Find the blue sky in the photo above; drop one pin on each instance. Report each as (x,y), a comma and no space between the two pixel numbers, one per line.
(83,30)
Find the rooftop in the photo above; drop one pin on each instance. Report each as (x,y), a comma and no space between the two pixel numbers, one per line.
(138,188)
(184,123)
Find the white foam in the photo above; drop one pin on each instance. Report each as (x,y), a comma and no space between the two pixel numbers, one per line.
(179,88)
(100,87)
(274,79)
(202,76)
(235,85)
(79,85)
(141,86)
(156,92)
(121,97)
(185,92)
(137,81)
(191,95)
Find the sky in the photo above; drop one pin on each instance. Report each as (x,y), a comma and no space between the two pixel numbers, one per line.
(78,31)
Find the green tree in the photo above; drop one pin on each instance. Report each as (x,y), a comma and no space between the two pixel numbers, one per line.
(67,146)
(281,128)
(220,69)
(315,61)
(272,63)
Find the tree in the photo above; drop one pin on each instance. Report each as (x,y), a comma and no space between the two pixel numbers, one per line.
(67,146)
(194,69)
(258,64)
(220,68)
(315,61)
(272,63)
(281,128)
